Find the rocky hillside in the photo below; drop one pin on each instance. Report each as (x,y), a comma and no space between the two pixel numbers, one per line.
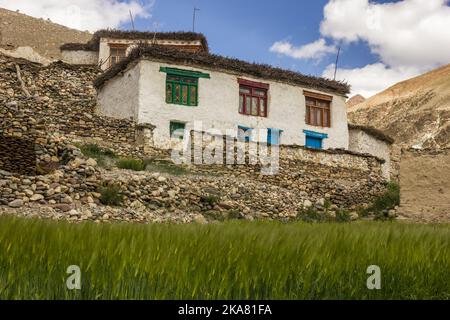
(45,37)
(415,112)
(353,101)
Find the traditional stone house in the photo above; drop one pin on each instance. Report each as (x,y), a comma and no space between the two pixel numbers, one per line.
(109,47)
(172,89)
(371,141)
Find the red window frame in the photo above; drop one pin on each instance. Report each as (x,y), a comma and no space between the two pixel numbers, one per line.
(257,93)
(318,104)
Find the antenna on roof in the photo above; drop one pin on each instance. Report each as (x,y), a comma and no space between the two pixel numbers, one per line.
(336,64)
(193,18)
(132,20)
(155,24)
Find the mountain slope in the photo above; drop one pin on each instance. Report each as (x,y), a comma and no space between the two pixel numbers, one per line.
(353,101)
(416,112)
(45,37)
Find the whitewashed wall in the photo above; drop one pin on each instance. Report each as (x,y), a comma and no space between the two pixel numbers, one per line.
(104,51)
(218,106)
(361,142)
(81,57)
(219,103)
(120,96)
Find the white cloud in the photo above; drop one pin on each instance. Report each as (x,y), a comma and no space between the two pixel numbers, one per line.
(410,37)
(82,14)
(372,78)
(405,33)
(315,50)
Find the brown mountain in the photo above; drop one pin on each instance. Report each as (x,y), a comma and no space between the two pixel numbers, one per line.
(415,112)
(18,30)
(353,101)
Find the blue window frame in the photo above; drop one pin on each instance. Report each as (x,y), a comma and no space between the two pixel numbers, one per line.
(274,136)
(314,140)
(244,133)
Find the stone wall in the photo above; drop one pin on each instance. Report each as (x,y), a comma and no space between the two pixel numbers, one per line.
(62,100)
(363,141)
(425,185)
(17,155)
(80,57)
(347,179)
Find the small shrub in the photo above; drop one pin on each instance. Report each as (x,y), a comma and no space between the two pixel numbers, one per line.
(165,166)
(131,164)
(99,154)
(312,215)
(327,205)
(110,195)
(389,200)
(234,215)
(214,216)
(210,199)
(343,216)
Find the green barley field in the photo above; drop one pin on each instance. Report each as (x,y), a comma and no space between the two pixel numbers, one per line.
(232,260)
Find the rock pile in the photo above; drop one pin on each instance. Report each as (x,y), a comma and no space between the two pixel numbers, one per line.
(63,99)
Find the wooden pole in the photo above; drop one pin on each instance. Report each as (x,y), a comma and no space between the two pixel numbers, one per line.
(193,18)
(22,84)
(336,64)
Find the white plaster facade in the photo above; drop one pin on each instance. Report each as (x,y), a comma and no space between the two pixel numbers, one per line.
(121,97)
(105,46)
(139,92)
(362,142)
(81,57)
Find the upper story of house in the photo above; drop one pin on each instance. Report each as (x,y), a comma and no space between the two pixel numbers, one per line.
(109,47)
(172,89)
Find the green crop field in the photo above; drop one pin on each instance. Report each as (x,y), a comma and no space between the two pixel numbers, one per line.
(232,260)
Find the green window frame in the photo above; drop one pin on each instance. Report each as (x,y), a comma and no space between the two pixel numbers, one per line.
(182,86)
(177,125)
(182,90)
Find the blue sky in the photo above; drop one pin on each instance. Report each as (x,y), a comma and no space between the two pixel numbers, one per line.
(247,29)
(383,42)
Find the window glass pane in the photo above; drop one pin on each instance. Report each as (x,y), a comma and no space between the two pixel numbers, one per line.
(248,105)
(262,107)
(177,93)
(184,94)
(241,103)
(308,115)
(259,92)
(323,104)
(313,117)
(310,102)
(245,90)
(326,117)
(255,106)
(169,92)
(318,116)
(189,80)
(177,129)
(193,97)
(173,78)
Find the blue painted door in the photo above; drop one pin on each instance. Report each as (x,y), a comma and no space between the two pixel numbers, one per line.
(312,142)
(273,136)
